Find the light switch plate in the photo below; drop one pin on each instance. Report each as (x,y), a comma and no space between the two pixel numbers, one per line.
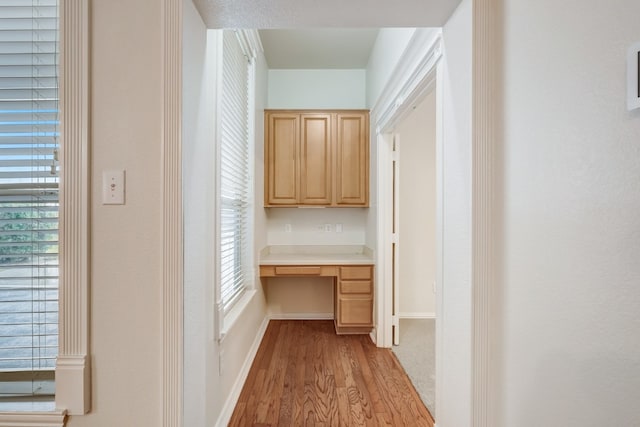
(113,187)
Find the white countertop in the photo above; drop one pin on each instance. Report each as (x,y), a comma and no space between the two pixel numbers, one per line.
(316,255)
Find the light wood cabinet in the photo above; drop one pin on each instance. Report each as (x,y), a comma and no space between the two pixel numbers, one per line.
(281,158)
(352,292)
(316,158)
(352,159)
(353,300)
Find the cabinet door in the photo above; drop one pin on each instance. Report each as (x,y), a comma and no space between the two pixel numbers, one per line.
(352,159)
(281,157)
(354,296)
(355,311)
(315,159)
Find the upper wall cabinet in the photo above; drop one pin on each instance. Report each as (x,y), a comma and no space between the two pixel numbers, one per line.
(316,158)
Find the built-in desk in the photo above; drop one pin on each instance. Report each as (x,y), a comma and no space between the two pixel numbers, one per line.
(351,268)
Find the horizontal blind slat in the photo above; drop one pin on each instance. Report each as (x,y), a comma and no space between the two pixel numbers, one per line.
(28,191)
(234,160)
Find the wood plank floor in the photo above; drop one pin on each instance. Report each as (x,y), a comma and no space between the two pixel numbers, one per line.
(306,375)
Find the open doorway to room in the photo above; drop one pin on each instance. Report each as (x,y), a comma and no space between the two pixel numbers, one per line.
(414,169)
(408,121)
(411,80)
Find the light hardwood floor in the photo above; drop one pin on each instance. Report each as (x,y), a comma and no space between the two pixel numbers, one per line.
(306,375)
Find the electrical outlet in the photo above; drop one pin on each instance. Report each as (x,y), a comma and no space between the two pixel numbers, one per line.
(338,228)
(287,228)
(327,228)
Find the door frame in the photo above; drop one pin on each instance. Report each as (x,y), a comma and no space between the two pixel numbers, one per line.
(485,35)
(414,77)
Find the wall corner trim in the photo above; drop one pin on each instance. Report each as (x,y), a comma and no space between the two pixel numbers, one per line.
(484,118)
(172,235)
(73,371)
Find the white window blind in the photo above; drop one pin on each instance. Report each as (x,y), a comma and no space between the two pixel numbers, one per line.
(28,196)
(234,170)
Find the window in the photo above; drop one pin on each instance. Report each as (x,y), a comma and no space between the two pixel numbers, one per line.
(235,165)
(28,197)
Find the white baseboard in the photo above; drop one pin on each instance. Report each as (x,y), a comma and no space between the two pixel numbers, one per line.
(232,400)
(301,316)
(417,315)
(374,336)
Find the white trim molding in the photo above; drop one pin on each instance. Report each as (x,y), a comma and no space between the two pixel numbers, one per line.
(301,316)
(73,367)
(234,395)
(172,236)
(485,104)
(413,77)
(33,419)
(414,315)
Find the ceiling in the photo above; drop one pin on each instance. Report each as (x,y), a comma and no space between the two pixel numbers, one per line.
(324,13)
(315,34)
(318,48)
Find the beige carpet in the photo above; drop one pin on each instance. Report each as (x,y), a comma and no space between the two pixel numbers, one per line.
(417,355)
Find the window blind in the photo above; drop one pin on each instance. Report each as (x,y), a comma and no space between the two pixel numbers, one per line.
(28,196)
(234,169)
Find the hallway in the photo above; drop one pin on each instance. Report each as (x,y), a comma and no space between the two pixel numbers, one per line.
(305,374)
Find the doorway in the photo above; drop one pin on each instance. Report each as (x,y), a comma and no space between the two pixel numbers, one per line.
(413,166)
(403,225)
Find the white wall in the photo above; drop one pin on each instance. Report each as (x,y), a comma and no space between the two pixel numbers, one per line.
(206,391)
(454,312)
(306,226)
(386,52)
(314,89)
(198,152)
(568,349)
(126,241)
(416,135)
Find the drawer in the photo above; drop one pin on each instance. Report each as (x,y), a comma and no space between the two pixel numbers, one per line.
(297,271)
(355,311)
(359,272)
(355,287)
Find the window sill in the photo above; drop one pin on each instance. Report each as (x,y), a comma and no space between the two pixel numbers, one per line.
(232,317)
(29,414)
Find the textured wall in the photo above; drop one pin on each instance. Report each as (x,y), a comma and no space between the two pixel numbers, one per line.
(206,389)
(312,89)
(126,241)
(568,348)
(454,314)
